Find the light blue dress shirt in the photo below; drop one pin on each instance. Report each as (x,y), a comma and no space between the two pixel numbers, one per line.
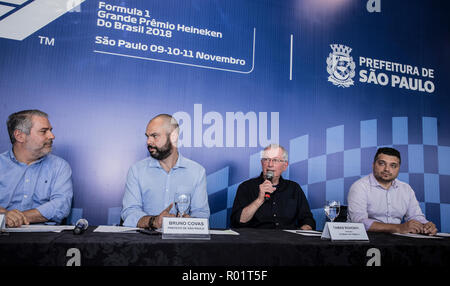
(45,185)
(369,202)
(150,189)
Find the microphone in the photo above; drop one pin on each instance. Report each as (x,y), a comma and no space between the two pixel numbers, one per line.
(269,176)
(80,226)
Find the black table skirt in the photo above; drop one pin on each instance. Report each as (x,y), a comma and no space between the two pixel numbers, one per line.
(252,248)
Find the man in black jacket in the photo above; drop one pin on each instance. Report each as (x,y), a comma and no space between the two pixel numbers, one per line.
(269,201)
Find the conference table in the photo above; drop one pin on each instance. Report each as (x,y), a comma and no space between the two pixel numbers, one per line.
(251,248)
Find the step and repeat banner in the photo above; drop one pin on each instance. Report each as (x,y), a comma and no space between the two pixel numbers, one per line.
(331,81)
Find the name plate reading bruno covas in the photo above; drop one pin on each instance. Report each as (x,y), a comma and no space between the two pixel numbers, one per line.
(344,231)
(185,228)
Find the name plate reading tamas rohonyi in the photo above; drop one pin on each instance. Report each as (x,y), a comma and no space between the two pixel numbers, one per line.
(344,231)
(185,228)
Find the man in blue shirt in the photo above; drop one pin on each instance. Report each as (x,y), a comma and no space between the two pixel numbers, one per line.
(35,186)
(152,183)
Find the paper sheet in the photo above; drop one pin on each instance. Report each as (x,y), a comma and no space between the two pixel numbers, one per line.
(443,234)
(122,229)
(116,229)
(2,221)
(223,232)
(414,235)
(39,228)
(305,232)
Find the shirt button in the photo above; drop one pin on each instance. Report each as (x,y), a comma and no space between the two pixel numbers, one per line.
(25,196)
(27,180)
(274,215)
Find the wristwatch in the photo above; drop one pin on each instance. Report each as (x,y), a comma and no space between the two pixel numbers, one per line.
(151,222)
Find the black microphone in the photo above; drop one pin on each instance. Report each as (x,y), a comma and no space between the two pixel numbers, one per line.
(269,176)
(80,226)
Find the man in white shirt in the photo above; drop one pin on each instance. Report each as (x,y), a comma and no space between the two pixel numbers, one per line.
(381,202)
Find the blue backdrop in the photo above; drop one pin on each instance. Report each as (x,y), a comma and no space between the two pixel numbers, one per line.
(329,80)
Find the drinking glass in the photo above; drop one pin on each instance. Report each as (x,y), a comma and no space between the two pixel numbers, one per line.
(332,209)
(182,204)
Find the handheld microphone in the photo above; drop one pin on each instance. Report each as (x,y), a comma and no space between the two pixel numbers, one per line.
(80,226)
(269,176)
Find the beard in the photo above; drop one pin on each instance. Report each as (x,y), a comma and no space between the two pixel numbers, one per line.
(160,153)
(47,147)
(43,150)
(384,177)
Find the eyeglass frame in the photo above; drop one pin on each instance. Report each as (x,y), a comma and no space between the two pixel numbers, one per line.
(274,160)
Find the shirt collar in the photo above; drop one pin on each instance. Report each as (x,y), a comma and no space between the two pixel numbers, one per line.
(14,159)
(375,183)
(181,162)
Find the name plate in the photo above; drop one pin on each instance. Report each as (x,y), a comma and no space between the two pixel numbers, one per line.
(344,231)
(185,228)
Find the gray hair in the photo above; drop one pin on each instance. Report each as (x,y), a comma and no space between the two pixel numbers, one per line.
(276,146)
(22,121)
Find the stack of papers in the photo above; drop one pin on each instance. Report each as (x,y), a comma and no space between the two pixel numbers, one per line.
(116,229)
(39,228)
(443,234)
(123,229)
(223,232)
(305,232)
(414,235)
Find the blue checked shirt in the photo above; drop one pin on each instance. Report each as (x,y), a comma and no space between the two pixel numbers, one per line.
(150,189)
(45,185)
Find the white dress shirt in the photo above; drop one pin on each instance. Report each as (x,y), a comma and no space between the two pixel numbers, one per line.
(369,202)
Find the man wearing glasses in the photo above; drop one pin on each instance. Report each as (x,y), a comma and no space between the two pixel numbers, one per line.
(381,202)
(269,201)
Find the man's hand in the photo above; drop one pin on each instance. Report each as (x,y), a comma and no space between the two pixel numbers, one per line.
(249,211)
(157,223)
(306,227)
(164,213)
(429,228)
(15,218)
(412,226)
(265,187)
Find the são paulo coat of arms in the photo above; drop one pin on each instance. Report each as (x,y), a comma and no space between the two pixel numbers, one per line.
(340,66)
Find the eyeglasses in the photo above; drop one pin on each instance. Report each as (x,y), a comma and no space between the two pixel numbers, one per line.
(273,160)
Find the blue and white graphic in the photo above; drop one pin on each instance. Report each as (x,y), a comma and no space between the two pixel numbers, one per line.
(21,18)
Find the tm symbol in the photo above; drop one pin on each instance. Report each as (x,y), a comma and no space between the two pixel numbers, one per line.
(46,41)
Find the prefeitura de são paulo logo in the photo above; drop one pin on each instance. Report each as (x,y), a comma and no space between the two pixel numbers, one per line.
(340,66)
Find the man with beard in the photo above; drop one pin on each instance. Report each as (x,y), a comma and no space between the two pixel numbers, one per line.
(381,202)
(35,186)
(152,183)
